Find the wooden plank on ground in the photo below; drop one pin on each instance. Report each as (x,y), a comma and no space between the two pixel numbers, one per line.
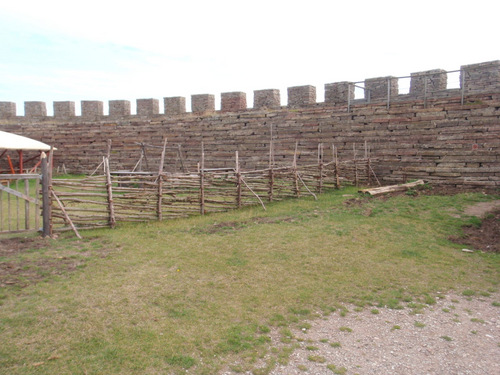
(392,188)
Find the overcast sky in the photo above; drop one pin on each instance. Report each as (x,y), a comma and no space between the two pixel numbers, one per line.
(56,50)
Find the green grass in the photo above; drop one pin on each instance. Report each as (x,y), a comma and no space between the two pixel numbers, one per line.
(337,370)
(477,320)
(191,294)
(316,358)
(345,329)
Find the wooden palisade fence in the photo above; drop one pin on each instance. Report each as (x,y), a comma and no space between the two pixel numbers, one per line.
(104,200)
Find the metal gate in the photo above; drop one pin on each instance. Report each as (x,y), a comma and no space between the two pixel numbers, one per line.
(20,205)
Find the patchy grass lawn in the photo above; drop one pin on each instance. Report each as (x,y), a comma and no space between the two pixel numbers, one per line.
(205,293)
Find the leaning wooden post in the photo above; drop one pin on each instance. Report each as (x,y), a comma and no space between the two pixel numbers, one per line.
(202,182)
(46,209)
(160,182)
(238,182)
(66,216)
(109,188)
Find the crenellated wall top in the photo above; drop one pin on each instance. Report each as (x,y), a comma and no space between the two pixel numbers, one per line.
(474,78)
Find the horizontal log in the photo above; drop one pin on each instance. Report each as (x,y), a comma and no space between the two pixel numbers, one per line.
(392,188)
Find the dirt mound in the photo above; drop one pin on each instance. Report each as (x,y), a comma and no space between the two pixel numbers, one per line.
(485,237)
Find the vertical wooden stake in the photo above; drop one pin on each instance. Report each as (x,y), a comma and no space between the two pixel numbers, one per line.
(21,161)
(271,184)
(368,171)
(37,204)
(159,212)
(46,228)
(26,205)
(355,165)
(337,178)
(202,182)
(295,173)
(271,165)
(109,188)
(320,167)
(238,182)
(50,166)
(271,147)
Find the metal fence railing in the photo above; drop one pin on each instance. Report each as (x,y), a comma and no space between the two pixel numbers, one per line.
(423,85)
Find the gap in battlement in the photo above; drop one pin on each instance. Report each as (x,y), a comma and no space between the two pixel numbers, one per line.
(359,92)
(453,80)
(404,85)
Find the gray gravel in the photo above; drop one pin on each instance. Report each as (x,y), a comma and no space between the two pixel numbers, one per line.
(457,335)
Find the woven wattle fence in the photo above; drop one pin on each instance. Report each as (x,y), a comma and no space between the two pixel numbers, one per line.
(104,200)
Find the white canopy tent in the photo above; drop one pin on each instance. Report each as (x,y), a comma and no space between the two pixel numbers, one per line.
(9,141)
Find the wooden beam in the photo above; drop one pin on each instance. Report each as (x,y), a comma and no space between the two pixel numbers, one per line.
(392,188)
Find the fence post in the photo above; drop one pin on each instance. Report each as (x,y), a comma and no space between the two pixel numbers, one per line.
(202,181)
(46,211)
(271,184)
(295,172)
(26,205)
(462,85)
(238,182)
(336,159)
(271,165)
(109,188)
(159,212)
(320,168)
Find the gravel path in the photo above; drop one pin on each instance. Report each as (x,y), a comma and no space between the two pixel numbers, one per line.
(457,335)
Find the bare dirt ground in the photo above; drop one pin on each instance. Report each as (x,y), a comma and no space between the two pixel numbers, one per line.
(18,268)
